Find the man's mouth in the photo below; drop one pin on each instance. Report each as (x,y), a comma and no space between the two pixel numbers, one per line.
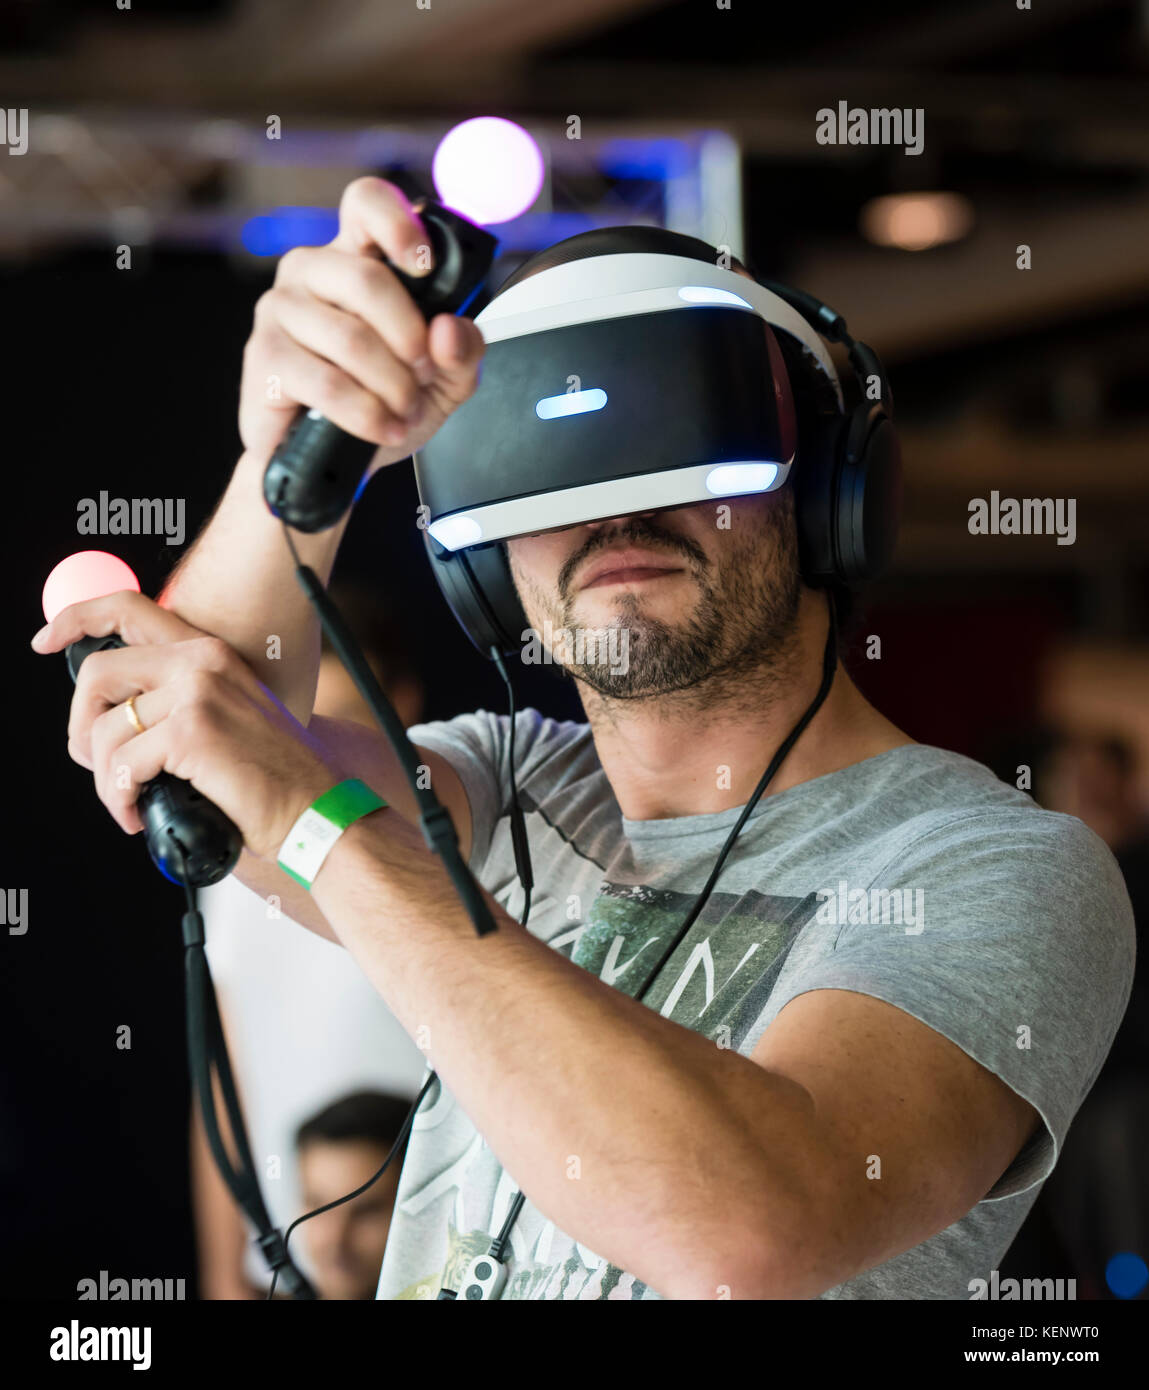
(627,567)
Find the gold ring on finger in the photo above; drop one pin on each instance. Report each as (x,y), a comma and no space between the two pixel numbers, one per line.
(130,706)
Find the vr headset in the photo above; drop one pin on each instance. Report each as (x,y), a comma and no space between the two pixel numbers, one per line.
(625,370)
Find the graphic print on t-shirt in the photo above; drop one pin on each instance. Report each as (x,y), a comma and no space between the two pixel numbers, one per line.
(716,983)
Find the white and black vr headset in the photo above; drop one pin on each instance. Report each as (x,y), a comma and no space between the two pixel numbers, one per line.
(626,370)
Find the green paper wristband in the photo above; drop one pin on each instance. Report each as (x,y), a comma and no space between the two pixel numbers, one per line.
(347,802)
(311,838)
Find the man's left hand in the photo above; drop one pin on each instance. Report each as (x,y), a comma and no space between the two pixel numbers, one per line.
(206,719)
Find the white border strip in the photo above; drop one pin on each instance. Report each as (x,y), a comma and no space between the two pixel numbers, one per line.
(547,511)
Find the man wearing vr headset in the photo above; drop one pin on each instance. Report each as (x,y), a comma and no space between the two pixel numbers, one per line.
(855,1070)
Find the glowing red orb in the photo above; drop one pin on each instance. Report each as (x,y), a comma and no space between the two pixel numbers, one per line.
(87,574)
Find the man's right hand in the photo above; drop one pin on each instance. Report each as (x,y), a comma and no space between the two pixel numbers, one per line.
(338,333)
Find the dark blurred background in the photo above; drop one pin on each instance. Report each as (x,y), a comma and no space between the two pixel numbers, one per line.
(148,128)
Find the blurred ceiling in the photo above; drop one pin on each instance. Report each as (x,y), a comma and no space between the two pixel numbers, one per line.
(1017,379)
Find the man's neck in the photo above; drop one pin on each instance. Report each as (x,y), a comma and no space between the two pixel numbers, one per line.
(702,752)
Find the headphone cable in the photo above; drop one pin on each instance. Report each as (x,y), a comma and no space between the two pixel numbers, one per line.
(829,667)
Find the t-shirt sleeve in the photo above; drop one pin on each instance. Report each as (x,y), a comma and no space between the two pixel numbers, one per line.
(1022,955)
(478,748)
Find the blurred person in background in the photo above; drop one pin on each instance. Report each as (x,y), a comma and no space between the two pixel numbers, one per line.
(303,1024)
(1095,777)
(1097,1197)
(337,1151)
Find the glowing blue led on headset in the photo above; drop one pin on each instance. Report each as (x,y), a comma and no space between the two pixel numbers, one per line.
(729,479)
(703,294)
(570,403)
(455,532)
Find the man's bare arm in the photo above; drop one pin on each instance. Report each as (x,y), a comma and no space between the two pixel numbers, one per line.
(364,753)
(238,582)
(339,333)
(154,635)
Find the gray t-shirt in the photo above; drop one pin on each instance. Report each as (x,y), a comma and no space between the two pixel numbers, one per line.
(915,876)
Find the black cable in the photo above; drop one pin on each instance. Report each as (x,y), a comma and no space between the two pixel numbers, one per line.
(499,1244)
(526,878)
(207,1049)
(518,826)
(829,665)
(446,844)
(400,1139)
(438,828)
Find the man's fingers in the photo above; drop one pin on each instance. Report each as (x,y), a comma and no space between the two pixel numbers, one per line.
(375,215)
(340,333)
(312,381)
(137,619)
(358,285)
(107,679)
(341,338)
(123,759)
(456,346)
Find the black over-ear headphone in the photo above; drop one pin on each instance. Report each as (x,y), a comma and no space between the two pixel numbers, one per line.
(847,478)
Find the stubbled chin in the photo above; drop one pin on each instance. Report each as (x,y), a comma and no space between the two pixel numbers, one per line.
(613,607)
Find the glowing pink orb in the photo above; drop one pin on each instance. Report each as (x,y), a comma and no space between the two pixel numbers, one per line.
(87,574)
(487,168)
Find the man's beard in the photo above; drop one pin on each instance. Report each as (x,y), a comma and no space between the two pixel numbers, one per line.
(745,617)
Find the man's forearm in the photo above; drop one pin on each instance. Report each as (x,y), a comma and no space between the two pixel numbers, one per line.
(663,1153)
(237,582)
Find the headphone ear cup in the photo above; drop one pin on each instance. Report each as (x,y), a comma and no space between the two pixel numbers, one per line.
(866,510)
(480,592)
